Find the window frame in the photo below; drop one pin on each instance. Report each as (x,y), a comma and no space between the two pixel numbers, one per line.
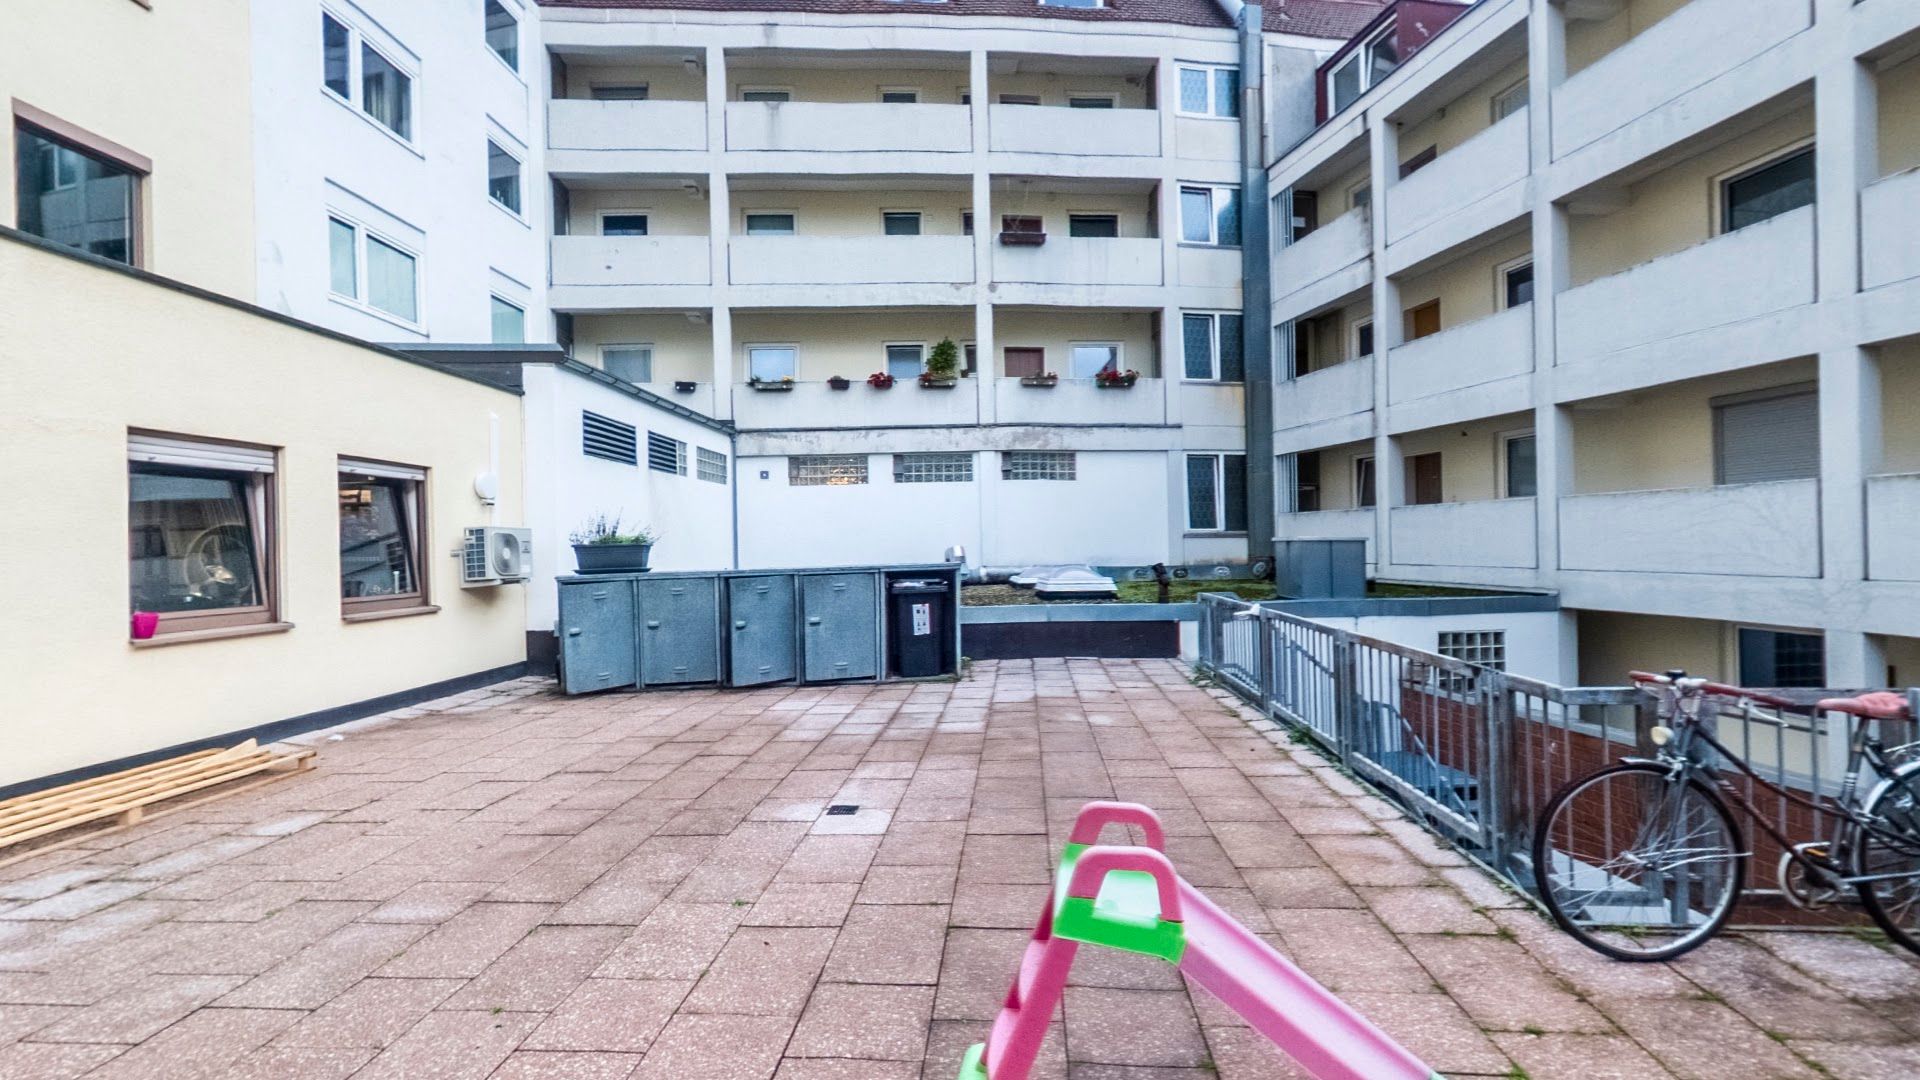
(1212,71)
(886,357)
(953,467)
(746,355)
(881,95)
(1051,463)
(1363,464)
(517,16)
(1218,459)
(1722,206)
(352,607)
(1360,325)
(747,216)
(1503,469)
(1739,629)
(601,216)
(1361,54)
(919,221)
(680,453)
(50,128)
(519,179)
(357,40)
(646,91)
(262,501)
(605,346)
(1214,352)
(1507,93)
(1214,193)
(494,298)
(1501,273)
(1019,99)
(860,470)
(1119,362)
(1073,215)
(362,233)
(743,90)
(707,463)
(1112,99)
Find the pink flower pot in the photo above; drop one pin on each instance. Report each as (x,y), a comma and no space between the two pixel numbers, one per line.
(144,624)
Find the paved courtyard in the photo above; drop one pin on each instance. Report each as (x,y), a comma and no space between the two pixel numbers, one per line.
(511,884)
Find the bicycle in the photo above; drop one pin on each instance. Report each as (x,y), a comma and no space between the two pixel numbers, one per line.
(1643,860)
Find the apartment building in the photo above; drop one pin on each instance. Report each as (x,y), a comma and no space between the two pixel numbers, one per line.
(776,217)
(1619,298)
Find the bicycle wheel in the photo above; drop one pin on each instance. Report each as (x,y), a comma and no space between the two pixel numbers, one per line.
(1894,849)
(1636,866)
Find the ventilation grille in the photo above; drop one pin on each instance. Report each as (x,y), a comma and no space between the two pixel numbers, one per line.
(610,439)
(665,454)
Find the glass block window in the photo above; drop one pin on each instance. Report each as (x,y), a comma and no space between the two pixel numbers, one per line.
(932,468)
(1037,465)
(827,470)
(1488,648)
(603,437)
(665,454)
(710,465)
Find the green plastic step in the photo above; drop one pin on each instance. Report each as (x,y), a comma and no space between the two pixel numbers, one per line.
(1125,916)
(974,1065)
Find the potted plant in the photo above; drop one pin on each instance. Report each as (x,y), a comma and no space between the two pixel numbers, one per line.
(1115,379)
(838,382)
(880,380)
(1043,380)
(784,382)
(684,386)
(602,546)
(943,366)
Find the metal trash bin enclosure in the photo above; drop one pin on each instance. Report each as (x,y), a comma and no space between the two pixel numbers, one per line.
(737,627)
(920,617)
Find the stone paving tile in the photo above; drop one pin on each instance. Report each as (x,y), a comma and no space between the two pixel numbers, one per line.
(371,1014)
(52,1061)
(889,945)
(1586,1057)
(573,1065)
(885,1023)
(539,972)
(464,945)
(610,1015)
(201,1046)
(451,1046)
(763,971)
(136,1013)
(696,1047)
(1133,1027)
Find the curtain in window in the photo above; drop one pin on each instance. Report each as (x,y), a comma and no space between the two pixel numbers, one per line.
(1202,512)
(386,93)
(1197,334)
(390,280)
(191,543)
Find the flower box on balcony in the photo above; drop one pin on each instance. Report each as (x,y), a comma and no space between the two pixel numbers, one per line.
(1040,381)
(1022,238)
(772,386)
(1109,379)
(880,380)
(838,382)
(930,381)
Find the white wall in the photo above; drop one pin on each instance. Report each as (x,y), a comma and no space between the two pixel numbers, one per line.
(1534,645)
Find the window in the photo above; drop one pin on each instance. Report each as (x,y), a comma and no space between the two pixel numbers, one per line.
(200,532)
(769,223)
(1419,161)
(1212,345)
(1089,101)
(899,95)
(1363,338)
(906,361)
(372,270)
(1518,479)
(1775,188)
(1360,196)
(336,50)
(1217,492)
(604,437)
(1210,215)
(1037,465)
(1305,481)
(710,465)
(1510,101)
(966,223)
(1487,648)
(1089,358)
(827,470)
(932,468)
(632,363)
(623,223)
(1781,658)
(1767,435)
(1019,99)
(503,177)
(771,363)
(76,197)
(386,92)
(666,454)
(1024,361)
(1209,91)
(1422,321)
(382,521)
(1423,479)
(765,93)
(1516,284)
(900,223)
(619,92)
(509,323)
(503,34)
(1363,68)
(1095,225)
(1365,490)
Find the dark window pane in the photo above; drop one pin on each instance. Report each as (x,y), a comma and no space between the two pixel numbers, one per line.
(1780,658)
(1233,492)
(503,177)
(1363,480)
(376,537)
(1201,513)
(1233,366)
(333,55)
(74,198)
(503,34)
(1096,225)
(191,542)
(386,93)
(1346,83)
(1769,192)
(1366,340)
(900,224)
(1521,482)
(1520,285)
(623,225)
(1226,212)
(1197,339)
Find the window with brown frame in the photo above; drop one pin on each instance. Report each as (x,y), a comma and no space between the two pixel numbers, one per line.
(382,536)
(74,188)
(200,532)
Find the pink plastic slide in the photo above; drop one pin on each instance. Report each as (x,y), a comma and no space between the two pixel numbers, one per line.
(1130,898)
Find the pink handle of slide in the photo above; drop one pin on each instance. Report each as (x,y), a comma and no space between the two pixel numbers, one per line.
(1096,816)
(1096,863)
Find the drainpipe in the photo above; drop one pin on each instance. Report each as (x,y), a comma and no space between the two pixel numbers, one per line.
(1256,285)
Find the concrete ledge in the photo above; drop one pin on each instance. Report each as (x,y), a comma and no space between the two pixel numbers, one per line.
(1417,606)
(1071,613)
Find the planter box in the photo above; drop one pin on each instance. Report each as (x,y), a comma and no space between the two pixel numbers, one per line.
(1116,384)
(1023,239)
(772,387)
(837,383)
(611,558)
(939,384)
(1041,381)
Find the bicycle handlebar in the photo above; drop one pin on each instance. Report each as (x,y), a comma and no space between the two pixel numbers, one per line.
(1710,687)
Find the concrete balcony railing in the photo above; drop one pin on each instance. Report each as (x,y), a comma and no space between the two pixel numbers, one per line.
(1477,168)
(1325,251)
(1327,525)
(815,405)
(627,125)
(1079,401)
(1757,530)
(1890,230)
(1080,260)
(848,127)
(1055,129)
(1699,43)
(1742,275)
(1497,347)
(849,260)
(1893,527)
(1340,390)
(631,260)
(1490,532)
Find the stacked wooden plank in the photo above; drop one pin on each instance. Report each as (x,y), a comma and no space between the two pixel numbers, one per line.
(124,796)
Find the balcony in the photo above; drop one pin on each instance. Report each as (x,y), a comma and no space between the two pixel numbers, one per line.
(1054,129)
(1757,530)
(1327,525)
(848,127)
(631,260)
(1890,229)
(1696,45)
(1757,271)
(1497,533)
(1893,541)
(1079,401)
(814,405)
(1080,260)
(1327,394)
(1482,351)
(849,260)
(627,125)
(1459,178)
(1327,263)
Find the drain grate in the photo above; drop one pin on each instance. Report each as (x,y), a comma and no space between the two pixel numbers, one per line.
(843,809)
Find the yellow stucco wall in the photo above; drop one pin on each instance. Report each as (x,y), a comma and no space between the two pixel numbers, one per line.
(1591,40)
(1468,288)
(682,347)
(670,211)
(937,86)
(172,83)
(1662,438)
(1337,484)
(1469,454)
(1613,643)
(1899,397)
(1462,118)
(1899,88)
(664,82)
(87,353)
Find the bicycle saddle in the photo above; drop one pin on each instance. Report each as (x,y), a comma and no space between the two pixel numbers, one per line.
(1879,705)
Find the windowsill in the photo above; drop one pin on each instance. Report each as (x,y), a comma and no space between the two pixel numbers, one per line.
(186,636)
(1210,247)
(369,309)
(388,613)
(1213,534)
(1212,382)
(399,140)
(1205,116)
(506,67)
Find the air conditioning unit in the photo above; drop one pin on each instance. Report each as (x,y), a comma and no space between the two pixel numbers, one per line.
(493,555)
